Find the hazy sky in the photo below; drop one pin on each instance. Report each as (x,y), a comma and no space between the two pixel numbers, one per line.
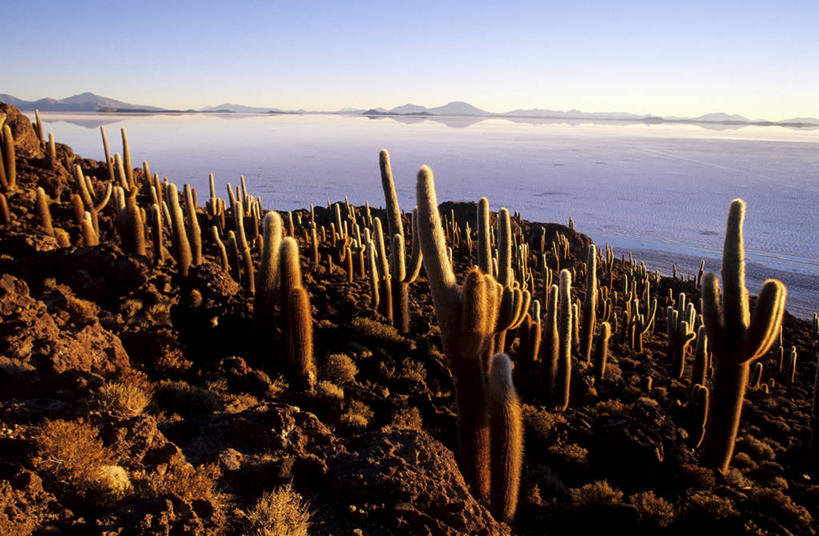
(756,58)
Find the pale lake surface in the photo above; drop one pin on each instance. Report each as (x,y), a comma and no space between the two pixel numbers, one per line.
(661,191)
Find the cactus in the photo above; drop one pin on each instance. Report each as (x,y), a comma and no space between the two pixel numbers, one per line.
(680,324)
(699,370)
(194,231)
(157,238)
(564,365)
(180,236)
(136,229)
(737,338)
(601,350)
(5,215)
(89,235)
(268,283)
(551,345)
(300,337)
(467,316)
(9,159)
(699,409)
(43,213)
(126,160)
(506,428)
(589,304)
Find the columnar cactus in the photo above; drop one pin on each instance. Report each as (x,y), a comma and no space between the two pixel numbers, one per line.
(467,316)
(601,350)
(814,425)
(180,236)
(5,215)
(157,239)
(589,311)
(737,338)
(126,160)
(89,235)
(220,246)
(565,323)
(300,337)
(699,409)
(680,323)
(193,227)
(268,283)
(9,159)
(551,346)
(506,428)
(43,212)
(699,370)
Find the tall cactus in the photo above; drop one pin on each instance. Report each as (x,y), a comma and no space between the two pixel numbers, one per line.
(551,346)
(9,159)
(589,305)
(180,236)
(506,428)
(268,283)
(466,316)
(564,324)
(300,337)
(814,426)
(601,350)
(680,323)
(736,336)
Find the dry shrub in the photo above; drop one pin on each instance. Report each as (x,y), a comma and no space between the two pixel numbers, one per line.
(598,493)
(372,330)
(73,456)
(71,452)
(758,450)
(184,399)
(182,480)
(279,513)
(408,419)
(329,390)
(409,371)
(780,506)
(120,399)
(339,368)
(653,510)
(357,415)
(707,506)
(541,424)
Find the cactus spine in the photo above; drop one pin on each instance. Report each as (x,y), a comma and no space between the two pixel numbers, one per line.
(736,337)
(506,429)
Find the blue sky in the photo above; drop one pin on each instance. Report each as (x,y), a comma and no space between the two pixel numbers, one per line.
(759,59)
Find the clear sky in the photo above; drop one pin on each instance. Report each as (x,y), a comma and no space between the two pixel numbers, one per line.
(756,58)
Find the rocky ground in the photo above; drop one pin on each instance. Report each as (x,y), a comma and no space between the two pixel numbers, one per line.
(135,401)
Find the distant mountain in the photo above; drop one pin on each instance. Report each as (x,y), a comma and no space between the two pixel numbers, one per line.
(239,109)
(83,102)
(457,108)
(722,118)
(801,120)
(575,114)
(409,109)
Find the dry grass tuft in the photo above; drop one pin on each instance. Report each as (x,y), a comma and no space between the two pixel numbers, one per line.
(279,513)
(184,399)
(339,369)
(120,399)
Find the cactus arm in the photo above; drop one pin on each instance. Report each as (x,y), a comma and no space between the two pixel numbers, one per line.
(767,317)
(735,295)
(442,283)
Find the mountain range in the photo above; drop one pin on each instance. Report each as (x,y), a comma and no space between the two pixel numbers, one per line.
(89,102)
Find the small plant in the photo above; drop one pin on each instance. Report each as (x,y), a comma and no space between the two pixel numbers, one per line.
(184,399)
(357,415)
(329,390)
(653,510)
(340,369)
(120,399)
(598,493)
(279,513)
(408,419)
